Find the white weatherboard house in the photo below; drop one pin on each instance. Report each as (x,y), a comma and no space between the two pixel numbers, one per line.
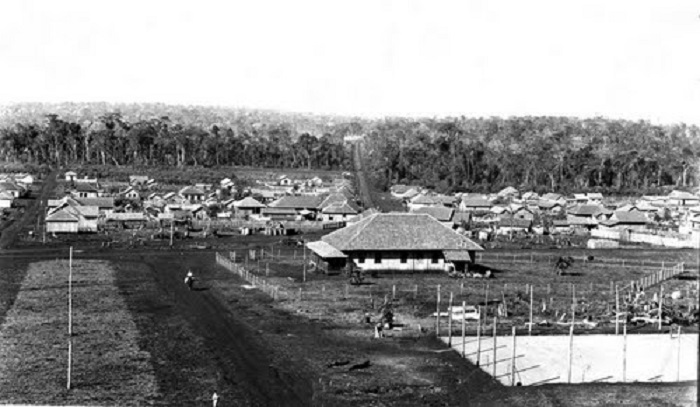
(410,242)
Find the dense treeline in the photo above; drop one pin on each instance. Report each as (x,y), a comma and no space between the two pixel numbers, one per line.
(540,153)
(111,138)
(453,154)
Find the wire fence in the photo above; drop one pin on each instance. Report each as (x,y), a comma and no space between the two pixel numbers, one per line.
(520,303)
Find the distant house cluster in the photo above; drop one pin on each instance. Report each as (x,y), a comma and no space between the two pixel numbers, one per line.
(142,200)
(510,211)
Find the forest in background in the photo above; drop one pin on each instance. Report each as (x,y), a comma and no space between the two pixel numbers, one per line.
(450,154)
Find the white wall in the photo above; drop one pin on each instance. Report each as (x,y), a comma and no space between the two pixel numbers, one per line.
(392,261)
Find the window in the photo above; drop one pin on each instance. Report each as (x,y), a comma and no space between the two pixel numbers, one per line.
(404,257)
(360,257)
(436,258)
(377,258)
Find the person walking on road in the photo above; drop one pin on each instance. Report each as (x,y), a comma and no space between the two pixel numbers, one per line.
(214,399)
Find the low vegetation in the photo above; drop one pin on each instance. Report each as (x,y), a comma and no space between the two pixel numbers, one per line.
(107,364)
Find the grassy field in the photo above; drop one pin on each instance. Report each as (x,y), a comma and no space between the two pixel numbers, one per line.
(108,365)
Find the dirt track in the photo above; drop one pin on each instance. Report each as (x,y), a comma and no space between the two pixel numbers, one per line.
(245,371)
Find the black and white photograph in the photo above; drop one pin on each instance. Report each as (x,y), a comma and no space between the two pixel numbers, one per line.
(349,203)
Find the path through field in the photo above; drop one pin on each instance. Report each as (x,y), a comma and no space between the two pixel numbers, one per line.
(246,374)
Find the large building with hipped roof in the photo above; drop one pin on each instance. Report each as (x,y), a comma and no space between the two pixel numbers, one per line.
(402,242)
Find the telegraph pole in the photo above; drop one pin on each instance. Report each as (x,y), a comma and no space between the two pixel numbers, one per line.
(70,316)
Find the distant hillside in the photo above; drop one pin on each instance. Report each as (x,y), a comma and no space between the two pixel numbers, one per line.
(448,154)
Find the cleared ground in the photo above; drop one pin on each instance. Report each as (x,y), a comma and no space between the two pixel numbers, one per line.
(595,358)
(107,365)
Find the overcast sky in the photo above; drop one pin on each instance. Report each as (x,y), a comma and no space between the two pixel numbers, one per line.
(623,58)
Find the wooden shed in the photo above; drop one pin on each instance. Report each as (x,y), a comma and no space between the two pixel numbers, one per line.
(326,257)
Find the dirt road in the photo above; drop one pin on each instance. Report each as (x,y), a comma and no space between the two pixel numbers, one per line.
(245,369)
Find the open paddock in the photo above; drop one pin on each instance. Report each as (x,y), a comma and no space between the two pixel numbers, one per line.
(592,287)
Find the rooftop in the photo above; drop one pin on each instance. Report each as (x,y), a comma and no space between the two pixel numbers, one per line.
(399,231)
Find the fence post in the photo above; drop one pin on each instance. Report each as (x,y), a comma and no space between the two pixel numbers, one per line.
(415,292)
(512,362)
(437,318)
(478,339)
(678,360)
(299,293)
(449,322)
(624,352)
(661,302)
(571,351)
(617,311)
(529,328)
(495,322)
(393,292)
(464,328)
(486,302)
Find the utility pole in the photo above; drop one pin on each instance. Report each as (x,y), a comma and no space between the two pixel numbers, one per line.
(70,316)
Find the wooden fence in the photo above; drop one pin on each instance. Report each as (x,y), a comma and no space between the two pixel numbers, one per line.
(258,281)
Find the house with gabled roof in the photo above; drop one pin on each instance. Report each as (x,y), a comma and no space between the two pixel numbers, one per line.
(339,211)
(192,194)
(626,220)
(408,242)
(248,206)
(303,205)
(471,204)
(130,193)
(85,190)
(71,217)
(71,176)
(589,211)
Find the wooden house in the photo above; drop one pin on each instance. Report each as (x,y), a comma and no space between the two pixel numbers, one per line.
(62,222)
(400,242)
(471,204)
(85,190)
(339,212)
(305,205)
(192,194)
(130,193)
(248,206)
(71,176)
(626,220)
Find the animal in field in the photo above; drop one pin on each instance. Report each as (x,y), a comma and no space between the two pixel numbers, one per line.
(562,264)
